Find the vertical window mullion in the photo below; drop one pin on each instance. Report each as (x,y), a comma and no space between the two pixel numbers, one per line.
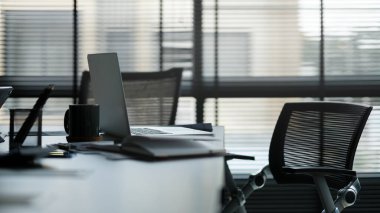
(216,61)
(197,81)
(322,55)
(75,52)
(161,54)
(161,37)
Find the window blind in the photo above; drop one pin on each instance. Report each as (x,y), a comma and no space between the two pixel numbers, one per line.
(262,38)
(36,37)
(147,35)
(36,49)
(276,45)
(130,28)
(243,59)
(39,41)
(352,37)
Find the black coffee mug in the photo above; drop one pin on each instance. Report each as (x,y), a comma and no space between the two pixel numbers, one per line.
(82,122)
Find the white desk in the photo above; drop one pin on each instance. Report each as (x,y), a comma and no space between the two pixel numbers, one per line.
(98,185)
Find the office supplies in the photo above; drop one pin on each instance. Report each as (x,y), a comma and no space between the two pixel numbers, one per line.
(19,115)
(18,157)
(199,126)
(108,90)
(25,128)
(59,154)
(161,148)
(24,158)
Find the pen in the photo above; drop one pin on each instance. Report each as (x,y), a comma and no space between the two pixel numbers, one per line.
(59,154)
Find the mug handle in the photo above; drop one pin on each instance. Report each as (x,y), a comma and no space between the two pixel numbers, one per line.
(66,121)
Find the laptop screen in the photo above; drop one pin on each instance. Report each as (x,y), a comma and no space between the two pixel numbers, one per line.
(107,87)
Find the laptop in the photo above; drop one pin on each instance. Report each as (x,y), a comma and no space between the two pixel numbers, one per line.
(107,87)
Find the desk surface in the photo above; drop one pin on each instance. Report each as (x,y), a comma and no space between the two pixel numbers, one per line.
(91,183)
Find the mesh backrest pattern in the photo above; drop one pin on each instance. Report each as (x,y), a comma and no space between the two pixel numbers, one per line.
(151,101)
(151,97)
(317,134)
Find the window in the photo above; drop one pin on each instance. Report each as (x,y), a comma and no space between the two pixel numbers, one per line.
(36,48)
(243,59)
(266,53)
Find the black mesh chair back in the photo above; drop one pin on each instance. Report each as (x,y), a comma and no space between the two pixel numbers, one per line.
(152,97)
(316,134)
(312,143)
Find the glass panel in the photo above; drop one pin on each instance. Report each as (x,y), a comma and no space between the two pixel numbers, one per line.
(36,37)
(262,38)
(178,34)
(132,29)
(186,111)
(352,37)
(129,28)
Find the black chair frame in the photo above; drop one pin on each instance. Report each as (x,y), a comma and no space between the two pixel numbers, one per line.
(324,175)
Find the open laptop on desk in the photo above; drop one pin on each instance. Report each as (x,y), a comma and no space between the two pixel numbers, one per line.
(107,86)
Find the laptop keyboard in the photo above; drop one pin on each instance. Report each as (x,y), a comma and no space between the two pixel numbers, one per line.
(146,131)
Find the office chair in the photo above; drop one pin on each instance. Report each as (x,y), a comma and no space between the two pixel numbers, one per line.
(152,97)
(313,143)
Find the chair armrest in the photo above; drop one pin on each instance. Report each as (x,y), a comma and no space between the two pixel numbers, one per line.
(319,170)
(230,156)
